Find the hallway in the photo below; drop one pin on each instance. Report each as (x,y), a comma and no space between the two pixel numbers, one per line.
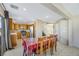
(62,50)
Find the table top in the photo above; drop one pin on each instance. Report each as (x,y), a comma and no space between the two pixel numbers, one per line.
(31,41)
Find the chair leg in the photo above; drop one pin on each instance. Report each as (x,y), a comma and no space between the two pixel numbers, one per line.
(51,51)
(24,52)
(55,47)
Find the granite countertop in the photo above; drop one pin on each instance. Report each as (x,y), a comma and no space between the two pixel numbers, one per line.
(13,33)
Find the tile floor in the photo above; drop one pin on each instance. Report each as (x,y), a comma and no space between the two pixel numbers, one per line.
(62,50)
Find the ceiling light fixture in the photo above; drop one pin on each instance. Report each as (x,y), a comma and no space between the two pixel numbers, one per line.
(24,9)
(46,16)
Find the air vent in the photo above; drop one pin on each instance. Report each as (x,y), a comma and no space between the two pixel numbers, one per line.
(14,6)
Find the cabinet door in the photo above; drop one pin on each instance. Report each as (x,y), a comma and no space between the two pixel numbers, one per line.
(16,26)
(10,24)
(13,40)
(18,35)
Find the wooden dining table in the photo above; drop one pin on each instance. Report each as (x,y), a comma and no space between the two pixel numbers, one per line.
(34,46)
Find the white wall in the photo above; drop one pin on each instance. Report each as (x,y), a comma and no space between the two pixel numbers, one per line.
(57,30)
(43,26)
(63,31)
(39,27)
(1,11)
(75,31)
(48,29)
(61,28)
(68,31)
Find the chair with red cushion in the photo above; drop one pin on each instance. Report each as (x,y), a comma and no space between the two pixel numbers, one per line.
(29,50)
(38,48)
(34,50)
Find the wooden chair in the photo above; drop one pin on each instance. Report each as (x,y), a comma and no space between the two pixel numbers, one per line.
(38,48)
(51,46)
(55,39)
(44,45)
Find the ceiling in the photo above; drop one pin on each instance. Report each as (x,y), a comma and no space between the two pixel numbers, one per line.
(73,8)
(28,12)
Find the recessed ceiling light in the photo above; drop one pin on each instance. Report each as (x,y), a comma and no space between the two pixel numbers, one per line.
(46,16)
(24,9)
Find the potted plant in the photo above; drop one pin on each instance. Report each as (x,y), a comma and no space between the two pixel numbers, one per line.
(43,34)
